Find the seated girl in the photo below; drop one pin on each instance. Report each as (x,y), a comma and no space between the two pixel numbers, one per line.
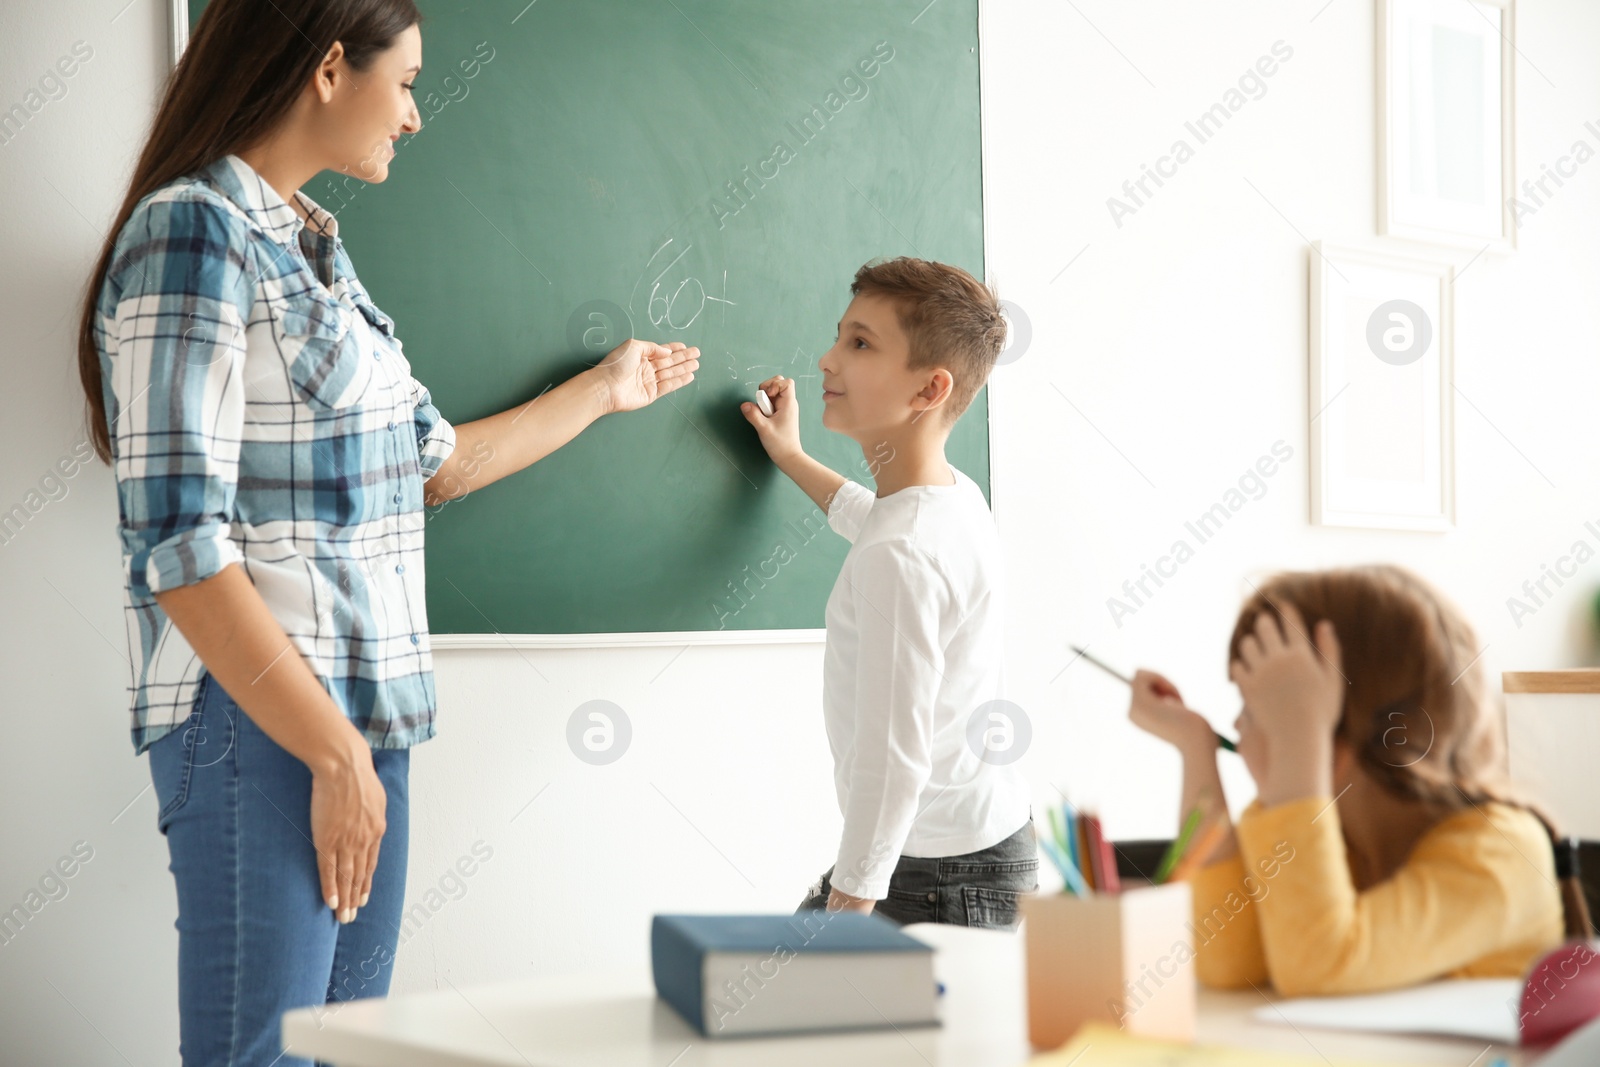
(1384,846)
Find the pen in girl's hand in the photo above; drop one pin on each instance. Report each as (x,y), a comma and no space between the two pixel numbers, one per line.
(1118,675)
(1222,742)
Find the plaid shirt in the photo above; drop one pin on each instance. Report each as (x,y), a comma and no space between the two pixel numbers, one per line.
(261,413)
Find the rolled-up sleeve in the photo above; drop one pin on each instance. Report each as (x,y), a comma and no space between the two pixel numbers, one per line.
(175,390)
(436,438)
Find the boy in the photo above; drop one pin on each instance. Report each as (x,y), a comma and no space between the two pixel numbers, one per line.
(935,828)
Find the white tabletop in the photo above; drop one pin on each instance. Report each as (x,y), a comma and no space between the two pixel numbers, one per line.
(616,1021)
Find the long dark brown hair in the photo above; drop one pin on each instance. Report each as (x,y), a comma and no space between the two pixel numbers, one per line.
(1416,713)
(246,64)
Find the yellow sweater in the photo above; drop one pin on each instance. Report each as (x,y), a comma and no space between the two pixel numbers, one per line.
(1477,898)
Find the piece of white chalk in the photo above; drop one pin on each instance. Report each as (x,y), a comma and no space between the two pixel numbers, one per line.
(764,402)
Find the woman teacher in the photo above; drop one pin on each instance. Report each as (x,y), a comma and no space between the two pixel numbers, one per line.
(273,455)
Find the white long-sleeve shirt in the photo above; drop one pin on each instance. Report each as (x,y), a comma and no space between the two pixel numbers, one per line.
(914,649)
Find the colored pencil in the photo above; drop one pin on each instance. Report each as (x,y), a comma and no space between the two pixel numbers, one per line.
(1086,859)
(1070,876)
(1202,848)
(1176,849)
(1104,858)
(1222,742)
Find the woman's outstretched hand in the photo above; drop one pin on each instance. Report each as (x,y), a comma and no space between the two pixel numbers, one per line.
(635,373)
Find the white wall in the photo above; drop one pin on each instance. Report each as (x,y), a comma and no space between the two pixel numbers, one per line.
(1178,337)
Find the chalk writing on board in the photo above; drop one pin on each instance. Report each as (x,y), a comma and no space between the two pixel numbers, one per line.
(676,302)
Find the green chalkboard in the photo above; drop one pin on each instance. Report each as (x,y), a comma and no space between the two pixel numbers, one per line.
(710,171)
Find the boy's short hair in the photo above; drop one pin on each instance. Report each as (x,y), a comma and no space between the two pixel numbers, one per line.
(951,319)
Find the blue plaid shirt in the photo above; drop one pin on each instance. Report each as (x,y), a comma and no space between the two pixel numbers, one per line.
(261,413)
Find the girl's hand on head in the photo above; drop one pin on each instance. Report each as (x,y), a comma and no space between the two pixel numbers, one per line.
(1157,708)
(1293,689)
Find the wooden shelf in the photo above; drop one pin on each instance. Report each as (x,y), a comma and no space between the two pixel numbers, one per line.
(1573,681)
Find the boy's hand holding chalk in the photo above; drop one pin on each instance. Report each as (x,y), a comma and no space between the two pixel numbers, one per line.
(775,413)
(780,436)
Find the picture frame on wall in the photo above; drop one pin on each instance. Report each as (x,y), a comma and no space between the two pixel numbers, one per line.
(1382,424)
(1446,121)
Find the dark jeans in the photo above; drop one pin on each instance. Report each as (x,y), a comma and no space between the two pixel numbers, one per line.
(976,889)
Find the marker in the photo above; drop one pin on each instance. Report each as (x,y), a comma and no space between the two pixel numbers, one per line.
(1222,742)
(764,402)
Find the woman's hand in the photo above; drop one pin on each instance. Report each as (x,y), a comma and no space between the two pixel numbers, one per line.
(1157,708)
(1293,696)
(347,824)
(780,431)
(635,373)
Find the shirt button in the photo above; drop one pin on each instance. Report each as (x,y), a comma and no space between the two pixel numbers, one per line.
(415,640)
(397,498)
(933,896)
(377,355)
(399,568)
(391,424)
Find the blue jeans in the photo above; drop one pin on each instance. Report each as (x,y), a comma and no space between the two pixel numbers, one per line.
(255,938)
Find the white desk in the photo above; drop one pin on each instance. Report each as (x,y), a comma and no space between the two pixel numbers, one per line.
(617,1022)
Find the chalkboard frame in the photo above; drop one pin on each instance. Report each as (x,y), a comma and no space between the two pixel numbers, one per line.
(180,16)
(797,636)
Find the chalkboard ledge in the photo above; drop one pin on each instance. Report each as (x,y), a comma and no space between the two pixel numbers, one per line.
(658,639)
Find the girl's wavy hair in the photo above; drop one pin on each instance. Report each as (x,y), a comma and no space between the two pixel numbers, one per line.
(1416,713)
(246,64)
